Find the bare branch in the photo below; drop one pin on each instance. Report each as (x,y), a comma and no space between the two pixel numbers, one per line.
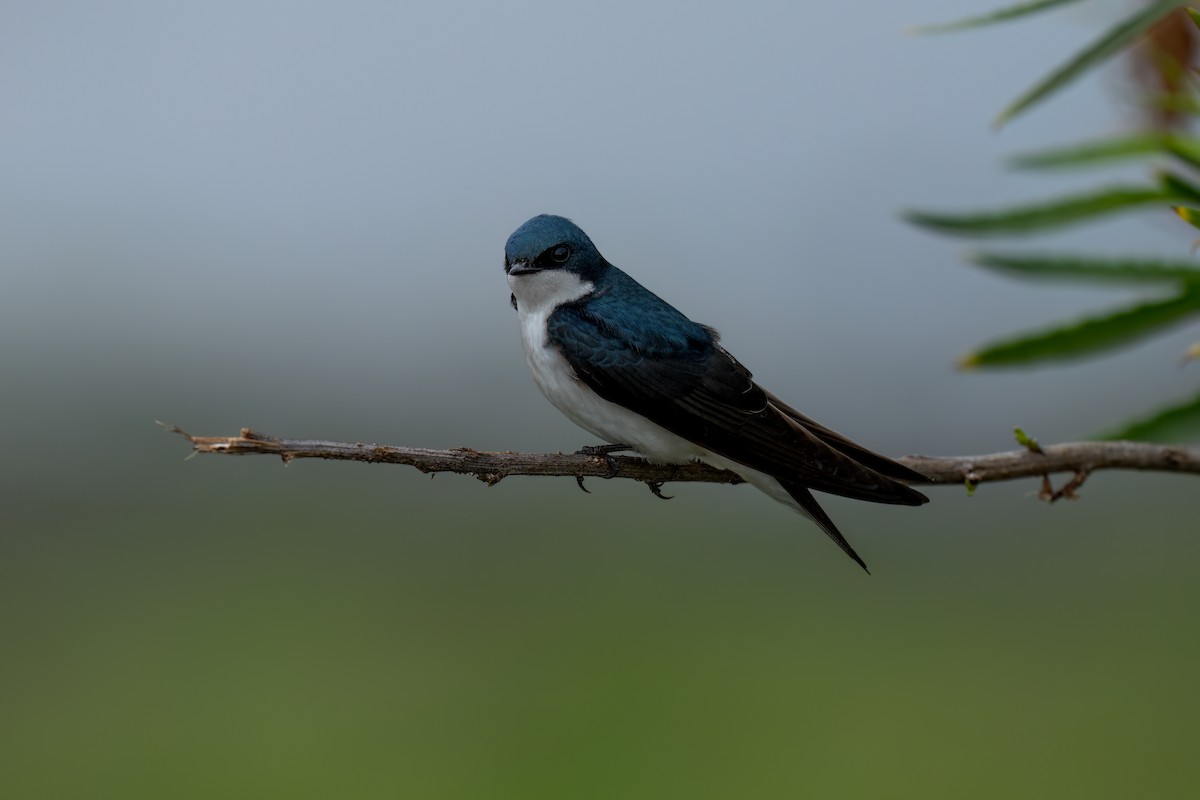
(1080,458)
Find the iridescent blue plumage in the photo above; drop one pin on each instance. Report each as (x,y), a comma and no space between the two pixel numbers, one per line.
(632,320)
(628,366)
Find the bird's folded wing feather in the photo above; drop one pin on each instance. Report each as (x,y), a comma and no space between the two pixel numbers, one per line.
(868,458)
(689,384)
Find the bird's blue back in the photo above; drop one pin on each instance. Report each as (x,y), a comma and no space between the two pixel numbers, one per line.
(635,321)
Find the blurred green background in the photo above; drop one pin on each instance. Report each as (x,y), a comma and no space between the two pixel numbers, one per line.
(292,217)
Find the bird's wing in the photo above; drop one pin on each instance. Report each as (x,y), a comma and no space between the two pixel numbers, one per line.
(692,387)
(868,458)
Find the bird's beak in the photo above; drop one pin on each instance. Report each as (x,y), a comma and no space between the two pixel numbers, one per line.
(522,268)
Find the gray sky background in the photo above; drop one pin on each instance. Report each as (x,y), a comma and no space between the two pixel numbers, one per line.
(292,215)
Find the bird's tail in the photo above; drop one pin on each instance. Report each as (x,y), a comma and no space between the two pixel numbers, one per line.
(795,496)
(813,510)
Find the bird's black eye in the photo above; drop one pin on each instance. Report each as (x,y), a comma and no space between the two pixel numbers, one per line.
(561,254)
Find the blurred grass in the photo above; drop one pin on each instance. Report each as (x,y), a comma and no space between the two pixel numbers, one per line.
(344,630)
(228,627)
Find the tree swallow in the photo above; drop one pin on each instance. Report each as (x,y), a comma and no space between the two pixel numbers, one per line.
(625,365)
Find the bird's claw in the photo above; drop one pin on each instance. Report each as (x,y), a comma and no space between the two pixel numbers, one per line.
(656,490)
(656,486)
(604,451)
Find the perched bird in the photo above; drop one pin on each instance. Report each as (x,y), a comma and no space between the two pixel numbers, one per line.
(625,365)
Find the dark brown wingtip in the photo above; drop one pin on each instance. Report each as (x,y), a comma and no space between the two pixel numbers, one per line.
(885,490)
(898,471)
(873,461)
(909,496)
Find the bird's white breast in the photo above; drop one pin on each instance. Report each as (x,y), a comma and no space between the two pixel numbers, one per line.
(538,295)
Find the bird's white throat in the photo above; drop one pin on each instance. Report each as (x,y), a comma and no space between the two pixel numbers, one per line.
(539,293)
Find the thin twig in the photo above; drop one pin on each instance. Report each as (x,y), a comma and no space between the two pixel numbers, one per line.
(1080,458)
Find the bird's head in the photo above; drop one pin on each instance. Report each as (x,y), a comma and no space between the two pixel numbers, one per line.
(548,243)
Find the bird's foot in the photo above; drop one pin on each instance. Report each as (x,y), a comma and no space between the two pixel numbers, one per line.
(656,486)
(605,451)
(656,490)
(601,449)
